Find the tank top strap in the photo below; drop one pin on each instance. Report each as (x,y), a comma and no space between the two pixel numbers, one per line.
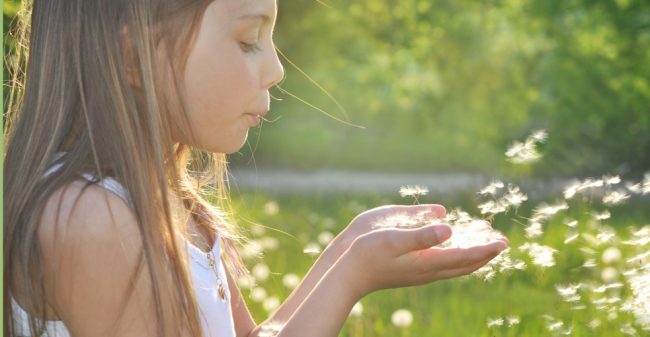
(109,184)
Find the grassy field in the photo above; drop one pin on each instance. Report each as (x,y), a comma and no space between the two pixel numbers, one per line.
(283,227)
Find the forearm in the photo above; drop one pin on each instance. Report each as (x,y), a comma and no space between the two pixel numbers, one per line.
(324,262)
(325,308)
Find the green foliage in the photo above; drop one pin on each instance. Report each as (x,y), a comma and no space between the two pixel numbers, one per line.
(447,85)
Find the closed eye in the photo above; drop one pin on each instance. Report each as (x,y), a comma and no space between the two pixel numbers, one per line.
(250,47)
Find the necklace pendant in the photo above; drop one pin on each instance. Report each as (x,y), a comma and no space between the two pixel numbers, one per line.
(222,292)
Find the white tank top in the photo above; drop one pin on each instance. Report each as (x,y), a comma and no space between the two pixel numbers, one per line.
(215,313)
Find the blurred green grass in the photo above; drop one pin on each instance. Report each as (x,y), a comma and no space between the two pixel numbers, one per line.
(459,307)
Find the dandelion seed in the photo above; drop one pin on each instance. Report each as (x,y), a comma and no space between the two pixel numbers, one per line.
(546,211)
(569,293)
(540,254)
(413,191)
(627,329)
(602,216)
(634,188)
(534,230)
(514,196)
(312,248)
(615,198)
(572,224)
(492,188)
(491,322)
(402,318)
(611,180)
(512,320)
(640,302)
(526,152)
(357,310)
(290,280)
(640,258)
(539,135)
(605,235)
(589,263)
(493,207)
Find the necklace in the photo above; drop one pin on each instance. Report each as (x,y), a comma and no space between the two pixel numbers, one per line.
(213,265)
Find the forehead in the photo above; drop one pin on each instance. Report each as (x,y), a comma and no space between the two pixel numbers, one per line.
(248,7)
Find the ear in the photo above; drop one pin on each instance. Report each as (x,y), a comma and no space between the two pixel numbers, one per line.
(132,72)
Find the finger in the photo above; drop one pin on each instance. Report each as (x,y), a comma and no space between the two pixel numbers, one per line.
(454,258)
(447,274)
(435,210)
(408,240)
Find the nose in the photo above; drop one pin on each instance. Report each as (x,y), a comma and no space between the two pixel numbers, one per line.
(274,71)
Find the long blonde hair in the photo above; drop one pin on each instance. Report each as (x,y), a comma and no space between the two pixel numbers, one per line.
(71,93)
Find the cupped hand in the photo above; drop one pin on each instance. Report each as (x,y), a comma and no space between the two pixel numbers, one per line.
(392,257)
(367,221)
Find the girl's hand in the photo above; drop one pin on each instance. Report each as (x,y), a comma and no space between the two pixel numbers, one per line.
(391,258)
(366,221)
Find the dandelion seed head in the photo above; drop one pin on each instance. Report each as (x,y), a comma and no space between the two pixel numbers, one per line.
(413,191)
(271,208)
(261,272)
(290,280)
(271,304)
(609,275)
(611,255)
(402,318)
(258,294)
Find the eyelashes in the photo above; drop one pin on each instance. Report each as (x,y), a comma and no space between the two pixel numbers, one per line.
(250,47)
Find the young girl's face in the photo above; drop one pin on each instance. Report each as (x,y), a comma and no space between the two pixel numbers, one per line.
(230,69)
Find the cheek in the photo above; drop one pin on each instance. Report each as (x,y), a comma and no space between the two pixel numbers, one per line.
(219,83)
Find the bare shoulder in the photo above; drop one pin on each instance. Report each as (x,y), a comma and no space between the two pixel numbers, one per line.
(92,257)
(81,210)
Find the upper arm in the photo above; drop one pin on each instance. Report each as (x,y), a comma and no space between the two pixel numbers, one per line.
(94,274)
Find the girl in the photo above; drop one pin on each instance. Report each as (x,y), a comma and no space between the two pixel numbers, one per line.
(128,108)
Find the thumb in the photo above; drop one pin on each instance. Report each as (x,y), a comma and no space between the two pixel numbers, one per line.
(424,237)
